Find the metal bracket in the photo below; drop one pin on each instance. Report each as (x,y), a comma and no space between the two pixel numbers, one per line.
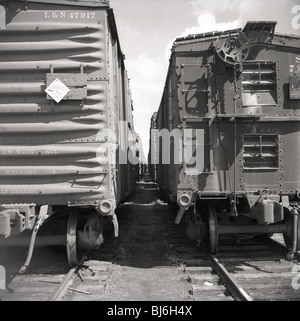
(15,218)
(285,201)
(76,83)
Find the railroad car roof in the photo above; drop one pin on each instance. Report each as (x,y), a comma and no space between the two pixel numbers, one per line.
(255,30)
(83,3)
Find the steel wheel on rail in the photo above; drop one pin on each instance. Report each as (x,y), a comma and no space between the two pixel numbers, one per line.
(72,240)
(212,230)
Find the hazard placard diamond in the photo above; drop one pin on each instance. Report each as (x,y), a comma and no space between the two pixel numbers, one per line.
(57,90)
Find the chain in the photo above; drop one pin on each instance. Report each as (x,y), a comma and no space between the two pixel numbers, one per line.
(236,73)
(237,70)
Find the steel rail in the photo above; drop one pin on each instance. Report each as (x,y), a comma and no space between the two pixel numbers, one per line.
(64,285)
(229,281)
(60,291)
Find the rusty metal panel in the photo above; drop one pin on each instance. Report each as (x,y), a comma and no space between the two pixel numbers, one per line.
(194,83)
(260,31)
(48,150)
(194,88)
(73,80)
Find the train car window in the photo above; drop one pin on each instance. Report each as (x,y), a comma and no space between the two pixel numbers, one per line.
(259,83)
(2,17)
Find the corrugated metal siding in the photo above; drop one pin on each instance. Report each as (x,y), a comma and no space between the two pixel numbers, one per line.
(48,150)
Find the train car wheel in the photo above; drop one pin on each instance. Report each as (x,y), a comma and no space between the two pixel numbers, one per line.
(212,230)
(72,240)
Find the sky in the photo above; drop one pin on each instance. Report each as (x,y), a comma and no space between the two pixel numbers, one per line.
(147,29)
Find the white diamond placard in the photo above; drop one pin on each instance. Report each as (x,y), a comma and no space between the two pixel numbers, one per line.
(57,90)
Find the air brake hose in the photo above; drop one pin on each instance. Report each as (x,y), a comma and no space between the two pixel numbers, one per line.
(43,215)
(30,251)
(115,224)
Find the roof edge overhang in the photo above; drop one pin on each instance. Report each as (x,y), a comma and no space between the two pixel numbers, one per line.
(79,3)
(258,32)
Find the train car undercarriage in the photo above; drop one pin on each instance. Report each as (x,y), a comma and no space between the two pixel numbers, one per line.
(78,229)
(206,221)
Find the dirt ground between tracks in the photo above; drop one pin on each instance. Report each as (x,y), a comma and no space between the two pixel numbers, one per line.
(145,267)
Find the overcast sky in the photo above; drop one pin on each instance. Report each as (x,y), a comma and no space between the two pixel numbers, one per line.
(147,29)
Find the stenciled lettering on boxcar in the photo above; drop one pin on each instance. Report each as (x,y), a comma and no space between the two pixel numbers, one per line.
(18,152)
(12,152)
(69,15)
(51,152)
(21,172)
(19,191)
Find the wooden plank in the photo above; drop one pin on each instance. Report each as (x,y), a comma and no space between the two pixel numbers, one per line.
(244,248)
(198,270)
(271,276)
(203,278)
(205,288)
(214,298)
(197,262)
(249,255)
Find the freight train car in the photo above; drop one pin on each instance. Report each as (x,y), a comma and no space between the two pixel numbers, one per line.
(225,140)
(66,125)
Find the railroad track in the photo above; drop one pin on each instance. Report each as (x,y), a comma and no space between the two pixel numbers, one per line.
(88,283)
(259,268)
(83,282)
(204,283)
(151,250)
(243,270)
(49,277)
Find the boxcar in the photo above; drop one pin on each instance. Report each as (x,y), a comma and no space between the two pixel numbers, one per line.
(225,140)
(66,124)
